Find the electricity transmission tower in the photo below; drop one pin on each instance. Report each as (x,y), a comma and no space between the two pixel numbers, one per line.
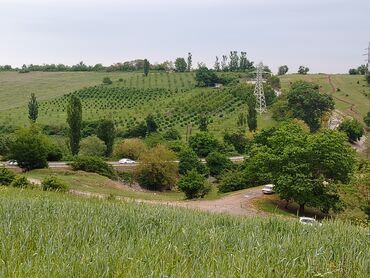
(368,57)
(258,90)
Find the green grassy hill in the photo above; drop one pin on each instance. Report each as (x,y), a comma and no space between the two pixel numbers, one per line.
(350,92)
(58,235)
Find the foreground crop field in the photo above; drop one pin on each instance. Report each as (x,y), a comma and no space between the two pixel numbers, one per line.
(54,235)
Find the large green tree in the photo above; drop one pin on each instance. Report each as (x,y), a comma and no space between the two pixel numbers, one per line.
(33,108)
(283,70)
(106,132)
(353,128)
(308,104)
(205,77)
(74,120)
(180,64)
(305,168)
(146,67)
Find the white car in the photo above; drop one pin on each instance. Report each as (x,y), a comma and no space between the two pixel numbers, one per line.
(13,163)
(268,189)
(126,161)
(309,221)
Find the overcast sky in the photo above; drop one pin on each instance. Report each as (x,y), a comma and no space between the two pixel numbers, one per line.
(325,35)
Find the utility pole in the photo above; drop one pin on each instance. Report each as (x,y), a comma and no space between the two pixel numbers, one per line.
(258,90)
(368,57)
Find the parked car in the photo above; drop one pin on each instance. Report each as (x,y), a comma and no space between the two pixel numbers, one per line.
(268,189)
(126,161)
(13,163)
(309,221)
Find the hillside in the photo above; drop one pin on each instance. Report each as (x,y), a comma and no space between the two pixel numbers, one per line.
(50,234)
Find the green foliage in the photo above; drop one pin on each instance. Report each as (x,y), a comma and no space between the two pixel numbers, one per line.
(139,130)
(94,165)
(130,148)
(92,146)
(303,70)
(54,184)
(188,160)
(203,143)
(54,152)
(146,67)
(203,122)
(33,108)
(154,139)
(368,78)
(30,149)
(180,64)
(270,94)
(238,140)
(274,82)
(283,70)
(252,113)
(172,134)
(6,176)
(157,169)
(308,104)
(366,120)
(218,163)
(232,181)
(190,61)
(74,120)
(353,128)
(5,142)
(151,124)
(21,182)
(107,81)
(106,132)
(193,185)
(205,77)
(281,110)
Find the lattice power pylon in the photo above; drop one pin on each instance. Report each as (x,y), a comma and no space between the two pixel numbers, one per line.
(258,90)
(368,57)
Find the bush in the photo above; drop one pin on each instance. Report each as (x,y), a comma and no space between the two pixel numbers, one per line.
(203,143)
(94,165)
(92,146)
(188,160)
(218,163)
(54,153)
(353,128)
(130,148)
(232,181)
(5,143)
(238,140)
(53,184)
(158,169)
(172,134)
(107,81)
(205,77)
(6,176)
(193,185)
(138,130)
(21,182)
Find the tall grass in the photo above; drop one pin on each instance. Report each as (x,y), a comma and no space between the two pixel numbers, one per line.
(55,235)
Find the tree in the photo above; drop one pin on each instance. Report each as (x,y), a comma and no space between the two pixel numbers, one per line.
(274,82)
(33,108)
(304,167)
(130,148)
(308,104)
(224,66)
(193,185)
(238,140)
(146,67)
(252,113)
(190,61)
(92,146)
(234,61)
(157,169)
(172,134)
(151,125)
(180,64)
(139,130)
(218,163)
(74,120)
(203,143)
(353,71)
(205,77)
(366,119)
(303,70)
(232,181)
(188,160)
(29,149)
(107,81)
(203,122)
(353,128)
(107,132)
(362,69)
(217,65)
(283,70)
(368,78)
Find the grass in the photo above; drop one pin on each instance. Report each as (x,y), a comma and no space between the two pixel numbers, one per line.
(353,97)
(57,235)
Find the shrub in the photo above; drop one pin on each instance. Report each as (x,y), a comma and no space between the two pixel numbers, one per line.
(238,140)
(54,184)
(130,148)
(54,153)
(353,128)
(21,182)
(5,143)
(94,165)
(188,160)
(232,181)
(6,176)
(92,146)
(193,185)
(107,81)
(203,143)
(217,163)
(172,134)
(158,169)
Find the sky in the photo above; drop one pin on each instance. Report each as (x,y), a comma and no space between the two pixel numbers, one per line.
(326,35)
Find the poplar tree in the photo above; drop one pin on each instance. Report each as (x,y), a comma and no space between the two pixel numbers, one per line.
(146,67)
(33,108)
(190,61)
(217,64)
(107,132)
(252,113)
(74,120)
